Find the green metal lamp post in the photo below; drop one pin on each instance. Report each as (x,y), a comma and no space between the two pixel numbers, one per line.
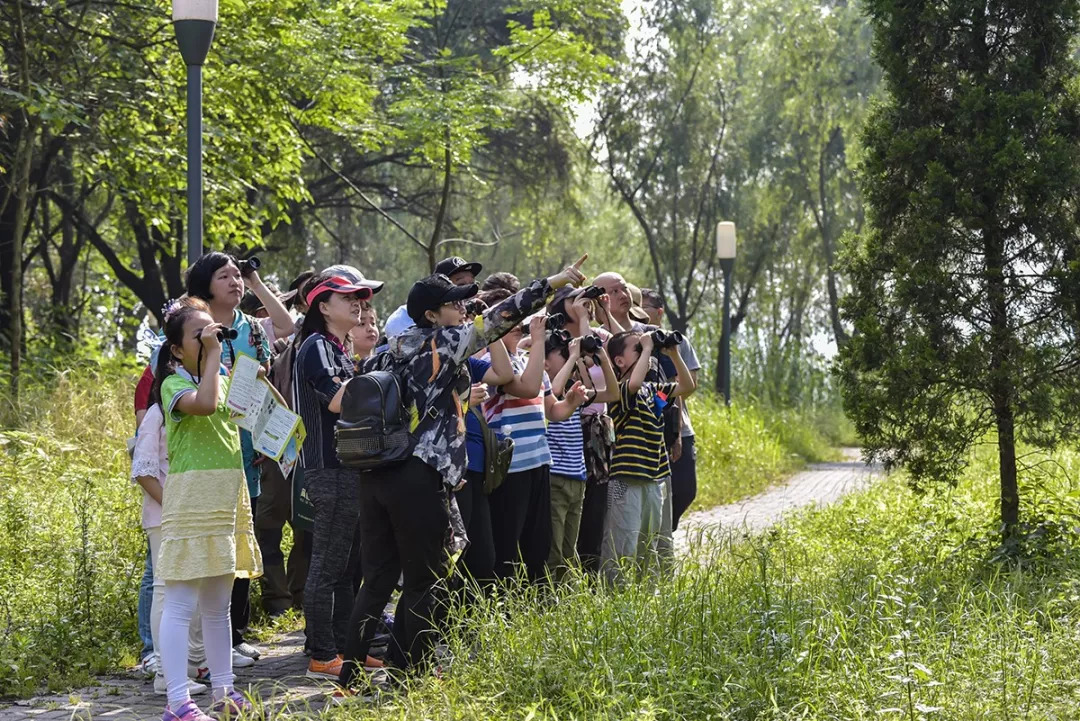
(725,251)
(194,22)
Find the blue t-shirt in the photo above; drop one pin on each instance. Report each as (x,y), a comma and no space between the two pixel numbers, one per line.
(474,437)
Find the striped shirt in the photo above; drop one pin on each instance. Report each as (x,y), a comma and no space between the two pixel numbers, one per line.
(567,447)
(639,452)
(523,421)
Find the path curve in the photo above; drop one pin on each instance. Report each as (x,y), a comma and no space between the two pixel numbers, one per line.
(820,484)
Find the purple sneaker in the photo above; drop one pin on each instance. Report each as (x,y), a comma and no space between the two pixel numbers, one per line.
(187,712)
(233,705)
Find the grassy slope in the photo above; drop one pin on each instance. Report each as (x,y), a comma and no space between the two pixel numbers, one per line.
(71,550)
(882,606)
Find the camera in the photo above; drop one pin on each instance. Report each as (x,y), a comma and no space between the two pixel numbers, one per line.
(663,339)
(224,334)
(590,344)
(249,265)
(555,321)
(592,292)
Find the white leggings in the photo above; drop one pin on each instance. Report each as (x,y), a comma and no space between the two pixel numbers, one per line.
(211,596)
(196,653)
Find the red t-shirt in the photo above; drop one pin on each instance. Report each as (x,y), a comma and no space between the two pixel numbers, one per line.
(142,390)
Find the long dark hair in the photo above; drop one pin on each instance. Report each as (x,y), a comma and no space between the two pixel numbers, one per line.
(202,273)
(174,335)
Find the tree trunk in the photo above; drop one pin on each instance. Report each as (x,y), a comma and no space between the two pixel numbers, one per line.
(21,199)
(1002,391)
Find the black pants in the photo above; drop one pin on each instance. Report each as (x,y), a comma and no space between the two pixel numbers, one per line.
(591,533)
(683,480)
(240,604)
(479,560)
(403,529)
(328,596)
(521,522)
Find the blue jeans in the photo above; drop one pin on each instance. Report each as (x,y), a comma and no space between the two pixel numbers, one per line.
(146,599)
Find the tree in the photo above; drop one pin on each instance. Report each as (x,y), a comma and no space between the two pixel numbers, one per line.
(964,282)
(661,132)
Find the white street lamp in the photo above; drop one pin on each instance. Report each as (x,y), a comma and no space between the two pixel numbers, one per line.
(194,22)
(725,251)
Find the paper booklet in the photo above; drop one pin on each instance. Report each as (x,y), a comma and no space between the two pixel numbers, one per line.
(258,408)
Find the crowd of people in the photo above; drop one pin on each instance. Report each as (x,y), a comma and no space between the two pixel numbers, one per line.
(548,429)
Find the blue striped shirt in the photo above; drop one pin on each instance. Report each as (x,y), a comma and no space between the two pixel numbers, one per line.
(567,447)
(522,420)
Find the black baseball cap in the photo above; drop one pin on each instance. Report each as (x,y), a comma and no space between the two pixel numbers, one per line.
(457,264)
(431,292)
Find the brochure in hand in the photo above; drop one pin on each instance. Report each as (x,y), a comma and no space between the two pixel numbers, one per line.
(277,432)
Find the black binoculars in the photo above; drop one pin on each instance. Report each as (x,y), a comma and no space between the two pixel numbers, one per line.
(663,339)
(591,344)
(249,265)
(559,338)
(224,334)
(474,307)
(555,321)
(592,292)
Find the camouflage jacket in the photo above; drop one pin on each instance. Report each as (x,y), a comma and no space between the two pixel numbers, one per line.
(433,363)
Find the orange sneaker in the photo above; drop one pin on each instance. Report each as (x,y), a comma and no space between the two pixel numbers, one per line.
(372,662)
(325,669)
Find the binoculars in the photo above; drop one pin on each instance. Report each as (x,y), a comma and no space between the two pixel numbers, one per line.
(663,339)
(475,307)
(559,337)
(249,266)
(591,344)
(555,321)
(592,292)
(224,334)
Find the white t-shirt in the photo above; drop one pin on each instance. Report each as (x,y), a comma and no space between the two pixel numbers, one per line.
(150,458)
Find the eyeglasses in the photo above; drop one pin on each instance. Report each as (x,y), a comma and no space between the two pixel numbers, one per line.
(455,304)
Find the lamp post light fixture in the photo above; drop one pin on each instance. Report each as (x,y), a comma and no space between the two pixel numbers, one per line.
(725,251)
(194,22)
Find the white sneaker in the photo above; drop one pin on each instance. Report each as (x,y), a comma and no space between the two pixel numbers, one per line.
(149,665)
(248,650)
(161,689)
(239,660)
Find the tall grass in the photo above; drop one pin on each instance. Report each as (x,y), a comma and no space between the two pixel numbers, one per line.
(743,449)
(888,605)
(72,551)
(71,548)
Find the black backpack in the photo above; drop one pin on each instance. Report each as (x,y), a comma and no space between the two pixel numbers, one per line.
(375,426)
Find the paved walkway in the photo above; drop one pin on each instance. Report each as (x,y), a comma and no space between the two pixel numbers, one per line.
(820,484)
(278,677)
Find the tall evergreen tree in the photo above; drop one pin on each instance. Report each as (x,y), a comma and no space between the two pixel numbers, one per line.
(965,278)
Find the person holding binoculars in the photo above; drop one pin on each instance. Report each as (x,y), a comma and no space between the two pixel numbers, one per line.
(219,280)
(207,534)
(639,463)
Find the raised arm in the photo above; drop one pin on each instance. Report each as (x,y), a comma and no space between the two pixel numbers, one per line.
(283,322)
(610,394)
(685,384)
(501,372)
(558,383)
(641,368)
(527,385)
(204,402)
(561,410)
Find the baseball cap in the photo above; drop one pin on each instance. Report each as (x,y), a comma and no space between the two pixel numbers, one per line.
(338,284)
(457,264)
(431,292)
(353,275)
